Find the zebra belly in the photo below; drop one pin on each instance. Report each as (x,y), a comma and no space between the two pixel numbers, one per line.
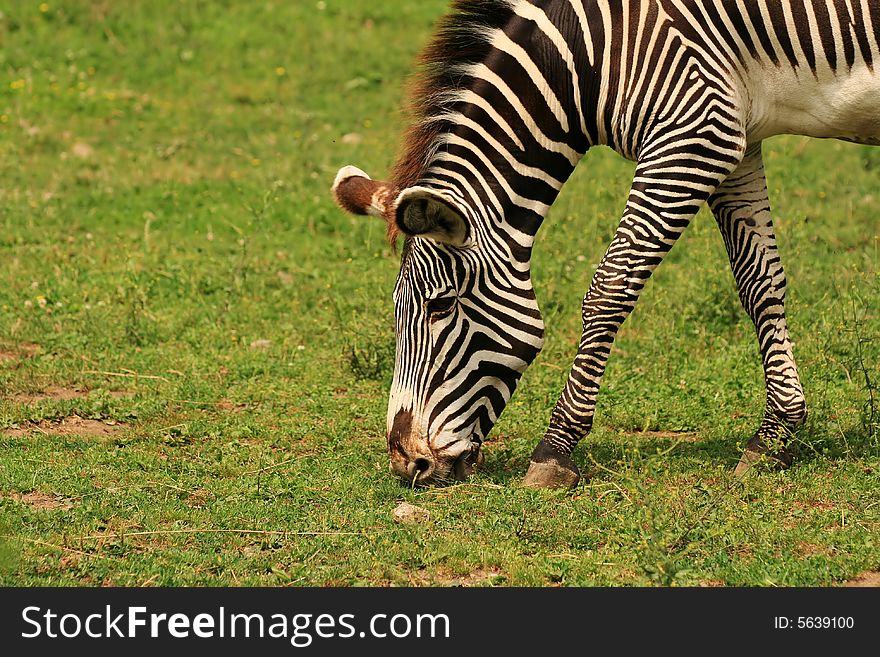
(844,106)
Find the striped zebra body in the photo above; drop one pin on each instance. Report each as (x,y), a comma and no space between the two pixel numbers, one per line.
(513,94)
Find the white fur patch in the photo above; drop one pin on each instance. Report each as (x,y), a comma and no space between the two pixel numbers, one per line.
(347,172)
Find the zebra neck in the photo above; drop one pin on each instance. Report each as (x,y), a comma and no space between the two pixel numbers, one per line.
(505,193)
(497,210)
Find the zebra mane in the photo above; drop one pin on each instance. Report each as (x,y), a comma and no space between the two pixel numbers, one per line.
(461,39)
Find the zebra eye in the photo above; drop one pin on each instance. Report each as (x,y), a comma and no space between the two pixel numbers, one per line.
(440,306)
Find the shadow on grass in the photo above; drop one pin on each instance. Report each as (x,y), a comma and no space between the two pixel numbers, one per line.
(819,441)
(507,464)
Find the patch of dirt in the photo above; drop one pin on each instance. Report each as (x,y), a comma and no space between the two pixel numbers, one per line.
(226,405)
(870,579)
(744,552)
(24,350)
(70,560)
(82,150)
(478,577)
(69,426)
(197,499)
(712,583)
(53,394)
(814,504)
(806,549)
(345,393)
(61,394)
(39,501)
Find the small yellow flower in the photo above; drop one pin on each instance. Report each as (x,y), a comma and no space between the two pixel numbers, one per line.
(4,118)
(280,71)
(17,84)
(44,7)
(255,162)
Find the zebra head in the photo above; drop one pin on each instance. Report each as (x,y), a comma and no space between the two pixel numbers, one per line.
(466,320)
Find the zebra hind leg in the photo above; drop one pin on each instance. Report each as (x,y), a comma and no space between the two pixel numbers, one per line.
(660,206)
(742,211)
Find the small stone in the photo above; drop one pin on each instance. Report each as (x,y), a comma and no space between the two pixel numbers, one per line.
(82,150)
(352,139)
(261,344)
(410,514)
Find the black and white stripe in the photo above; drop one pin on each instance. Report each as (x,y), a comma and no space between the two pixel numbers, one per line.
(515,92)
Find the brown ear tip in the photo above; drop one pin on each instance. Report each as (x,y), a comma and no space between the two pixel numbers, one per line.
(348,189)
(345,173)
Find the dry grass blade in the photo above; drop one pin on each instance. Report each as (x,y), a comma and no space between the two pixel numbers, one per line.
(49,545)
(130,375)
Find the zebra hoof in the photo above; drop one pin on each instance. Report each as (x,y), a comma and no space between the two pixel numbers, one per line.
(747,461)
(550,469)
(757,452)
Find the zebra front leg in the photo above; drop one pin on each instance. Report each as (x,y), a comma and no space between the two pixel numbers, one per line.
(742,210)
(667,192)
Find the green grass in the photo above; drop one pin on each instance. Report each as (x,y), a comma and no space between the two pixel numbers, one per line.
(164,175)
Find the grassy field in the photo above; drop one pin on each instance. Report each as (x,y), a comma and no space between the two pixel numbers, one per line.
(196,345)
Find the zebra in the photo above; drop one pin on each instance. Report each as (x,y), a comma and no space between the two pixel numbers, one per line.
(510,95)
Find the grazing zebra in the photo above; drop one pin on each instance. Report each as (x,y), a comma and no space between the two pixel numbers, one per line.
(512,94)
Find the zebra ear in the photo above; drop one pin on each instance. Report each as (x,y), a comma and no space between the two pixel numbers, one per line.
(357,193)
(424,212)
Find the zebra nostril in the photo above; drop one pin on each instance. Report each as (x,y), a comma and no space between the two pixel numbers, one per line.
(422,465)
